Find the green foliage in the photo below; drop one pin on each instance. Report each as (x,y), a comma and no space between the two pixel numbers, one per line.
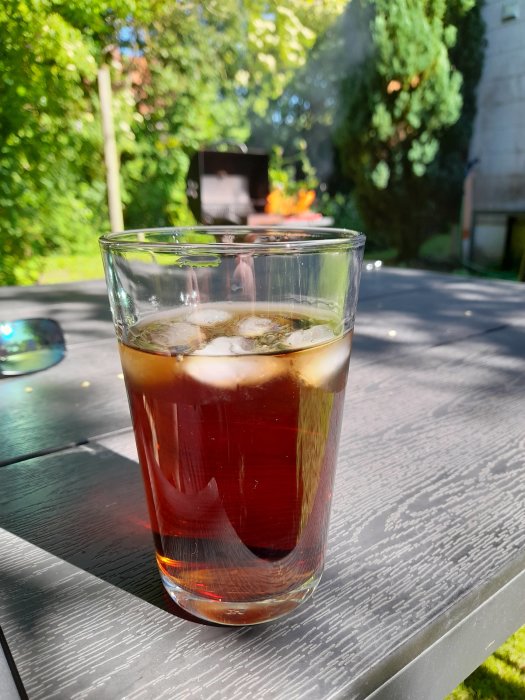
(398,142)
(342,208)
(196,73)
(51,188)
(185,74)
(501,677)
(292,173)
(307,107)
(186,98)
(209,72)
(59,268)
(279,38)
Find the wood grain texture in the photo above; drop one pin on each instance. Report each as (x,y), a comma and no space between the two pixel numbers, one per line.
(427,518)
(73,401)
(423,309)
(77,399)
(442,310)
(427,522)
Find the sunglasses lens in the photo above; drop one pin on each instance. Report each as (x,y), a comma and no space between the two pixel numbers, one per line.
(30,345)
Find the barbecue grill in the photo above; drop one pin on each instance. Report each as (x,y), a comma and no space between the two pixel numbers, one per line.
(225,187)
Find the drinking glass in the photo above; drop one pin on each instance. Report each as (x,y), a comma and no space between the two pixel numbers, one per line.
(235,344)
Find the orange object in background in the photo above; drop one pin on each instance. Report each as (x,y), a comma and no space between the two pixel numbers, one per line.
(289,205)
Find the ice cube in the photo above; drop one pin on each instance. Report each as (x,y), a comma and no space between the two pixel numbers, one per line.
(254,326)
(321,367)
(233,345)
(173,337)
(234,371)
(208,317)
(309,336)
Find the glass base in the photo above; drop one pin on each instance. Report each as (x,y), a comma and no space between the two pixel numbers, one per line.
(227,612)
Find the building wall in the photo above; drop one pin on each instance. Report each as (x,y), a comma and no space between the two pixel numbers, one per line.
(499,131)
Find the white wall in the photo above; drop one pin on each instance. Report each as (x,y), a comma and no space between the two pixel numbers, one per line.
(499,130)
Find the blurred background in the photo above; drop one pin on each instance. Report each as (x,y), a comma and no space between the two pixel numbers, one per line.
(401,119)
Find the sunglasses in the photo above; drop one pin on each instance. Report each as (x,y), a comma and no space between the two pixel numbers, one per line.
(30,345)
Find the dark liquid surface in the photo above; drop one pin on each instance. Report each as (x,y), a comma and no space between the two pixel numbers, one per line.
(238,455)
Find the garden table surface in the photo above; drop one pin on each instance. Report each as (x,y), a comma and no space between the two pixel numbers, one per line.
(425,568)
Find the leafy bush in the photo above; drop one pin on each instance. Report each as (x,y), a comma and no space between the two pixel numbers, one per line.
(409,110)
(184,76)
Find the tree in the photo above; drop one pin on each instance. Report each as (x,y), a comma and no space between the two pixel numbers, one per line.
(308,109)
(208,70)
(183,83)
(51,186)
(185,74)
(399,107)
(280,36)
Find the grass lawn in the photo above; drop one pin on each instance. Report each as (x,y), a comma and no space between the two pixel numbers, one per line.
(501,677)
(72,268)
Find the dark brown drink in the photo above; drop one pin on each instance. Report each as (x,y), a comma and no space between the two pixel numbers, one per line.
(237,412)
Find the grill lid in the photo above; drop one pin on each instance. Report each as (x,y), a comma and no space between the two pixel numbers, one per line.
(226,186)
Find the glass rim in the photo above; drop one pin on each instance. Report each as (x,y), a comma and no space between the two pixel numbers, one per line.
(313,237)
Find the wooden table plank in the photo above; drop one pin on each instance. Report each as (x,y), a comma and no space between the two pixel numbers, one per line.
(423,310)
(10,689)
(427,524)
(444,310)
(81,309)
(73,401)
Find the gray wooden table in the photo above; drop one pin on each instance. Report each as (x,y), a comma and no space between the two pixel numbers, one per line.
(425,567)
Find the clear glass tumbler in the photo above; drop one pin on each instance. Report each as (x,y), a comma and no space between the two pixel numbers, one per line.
(235,344)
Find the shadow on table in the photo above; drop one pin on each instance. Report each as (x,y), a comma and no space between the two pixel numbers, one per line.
(87,507)
(82,309)
(446,310)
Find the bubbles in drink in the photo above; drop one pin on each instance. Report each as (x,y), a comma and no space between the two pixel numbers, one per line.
(279,340)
